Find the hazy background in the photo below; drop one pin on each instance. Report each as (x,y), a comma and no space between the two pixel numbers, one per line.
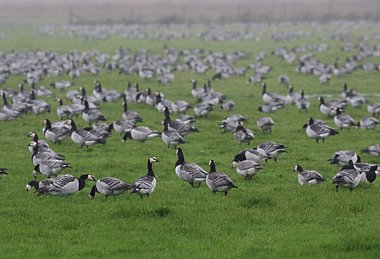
(166,11)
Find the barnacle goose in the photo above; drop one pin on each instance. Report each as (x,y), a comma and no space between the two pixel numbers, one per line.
(43,155)
(38,184)
(368,172)
(343,157)
(242,134)
(130,115)
(217,181)
(373,150)
(368,123)
(250,154)
(188,171)
(64,185)
(308,177)
(343,121)
(146,184)
(3,170)
(171,137)
(265,124)
(50,167)
(317,131)
(83,137)
(183,128)
(109,186)
(348,177)
(92,114)
(141,133)
(302,103)
(271,149)
(231,122)
(56,134)
(247,168)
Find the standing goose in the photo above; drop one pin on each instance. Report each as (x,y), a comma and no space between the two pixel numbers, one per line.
(83,137)
(39,156)
(302,103)
(265,124)
(308,177)
(250,154)
(343,121)
(319,131)
(146,184)
(64,185)
(218,182)
(41,143)
(348,177)
(92,114)
(243,135)
(141,133)
(123,126)
(56,134)
(171,137)
(63,111)
(271,149)
(182,127)
(247,168)
(326,108)
(109,186)
(130,115)
(187,171)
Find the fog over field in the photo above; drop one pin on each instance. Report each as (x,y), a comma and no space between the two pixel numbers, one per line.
(168,11)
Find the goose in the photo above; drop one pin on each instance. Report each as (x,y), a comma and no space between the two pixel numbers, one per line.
(3,170)
(196,92)
(356,100)
(184,128)
(146,184)
(12,110)
(203,109)
(270,107)
(130,115)
(373,150)
(368,172)
(230,123)
(247,168)
(106,95)
(292,96)
(302,103)
(61,85)
(41,143)
(91,114)
(64,185)
(187,171)
(250,154)
(123,126)
(49,168)
(368,123)
(270,97)
(171,137)
(374,109)
(131,92)
(343,121)
(265,124)
(162,102)
(308,177)
(180,106)
(63,111)
(227,105)
(325,108)
(39,106)
(102,132)
(38,184)
(141,133)
(348,177)
(217,181)
(56,134)
(82,137)
(319,131)
(243,135)
(43,155)
(271,149)
(343,157)
(109,186)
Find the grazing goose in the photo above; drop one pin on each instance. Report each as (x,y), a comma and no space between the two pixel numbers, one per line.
(50,167)
(368,123)
(227,105)
(265,124)
(182,127)
(189,172)
(231,122)
(109,186)
(130,115)
(83,137)
(146,184)
(64,185)
(243,135)
(356,100)
(180,106)
(343,121)
(171,137)
(203,109)
(373,150)
(326,108)
(368,172)
(319,131)
(348,177)
(374,109)
(250,154)
(247,168)
(141,133)
(217,181)
(270,97)
(102,132)
(56,134)
(123,126)
(308,177)
(270,107)
(271,149)
(92,114)
(343,157)
(302,103)
(38,184)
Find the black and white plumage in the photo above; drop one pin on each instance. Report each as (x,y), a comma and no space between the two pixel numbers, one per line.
(130,115)
(203,109)
(187,171)
(271,149)
(55,134)
(250,154)
(343,157)
(343,121)
(347,177)
(303,102)
(141,133)
(373,150)
(146,184)
(43,154)
(319,131)
(327,109)
(308,177)
(83,137)
(368,172)
(184,128)
(243,135)
(3,170)
(217,181)
(265,124)
(63,111)
(41,143)
(374,109)
(270,107)
(109,186)
(50,168)
(64,185)
(91,115)
(247,168)
(368,123)
(123,126)
(38,184)
(230,123)
(171,137)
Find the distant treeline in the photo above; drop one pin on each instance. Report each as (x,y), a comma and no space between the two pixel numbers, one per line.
(185,11)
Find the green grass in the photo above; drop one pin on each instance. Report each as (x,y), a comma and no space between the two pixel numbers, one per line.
(271,216)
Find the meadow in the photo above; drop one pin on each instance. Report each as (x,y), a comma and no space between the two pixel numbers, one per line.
(270,216)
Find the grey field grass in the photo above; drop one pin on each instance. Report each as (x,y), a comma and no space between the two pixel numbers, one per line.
(270,216)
